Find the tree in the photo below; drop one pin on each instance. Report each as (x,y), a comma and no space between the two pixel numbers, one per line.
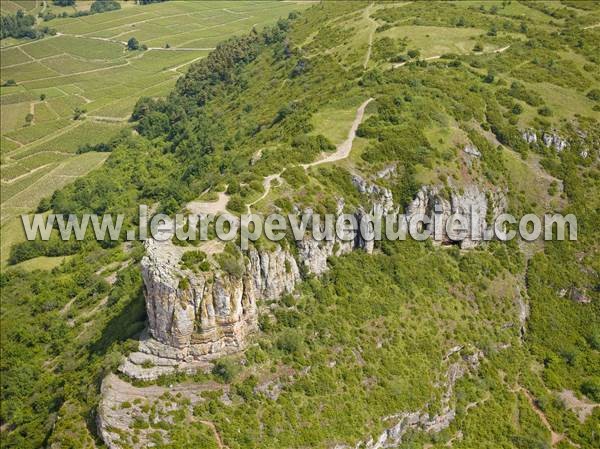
(594,94)
(104,5)
(10,83)
(517,109)
(42,97)
(225,370)
(133,44)
(64,2)
(478,47)
(154,124)
(413,54)
(29,118)
(78,112)
(19,25)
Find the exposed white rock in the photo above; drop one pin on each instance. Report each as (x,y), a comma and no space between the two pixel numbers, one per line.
(422,421)
(555,141)
(579,295)
(471,202)
(387,171)
(194,317)
(380,195)
(472,150)
(529,136)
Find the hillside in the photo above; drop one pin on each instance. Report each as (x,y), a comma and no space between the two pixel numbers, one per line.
(81,83)
(340,107)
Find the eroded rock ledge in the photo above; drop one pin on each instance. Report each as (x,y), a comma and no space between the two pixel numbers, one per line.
(194,317)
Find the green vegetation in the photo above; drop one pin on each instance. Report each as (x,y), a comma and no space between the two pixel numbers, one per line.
(80,108)
(19,25)
(369,338)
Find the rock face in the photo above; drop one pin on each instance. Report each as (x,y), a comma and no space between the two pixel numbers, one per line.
(422,421)
(472,202)
(194,317)
(203,314)
(381,197)
(529,136)
(555,141)
(472,150)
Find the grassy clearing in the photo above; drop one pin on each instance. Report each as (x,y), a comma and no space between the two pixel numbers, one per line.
(43,263)
(334,123)
(433,41)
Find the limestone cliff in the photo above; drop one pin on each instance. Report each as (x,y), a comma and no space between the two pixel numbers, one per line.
(468,202)
(195,316)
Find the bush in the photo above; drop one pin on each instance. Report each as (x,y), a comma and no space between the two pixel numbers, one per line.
(100,6)
(225,370)
(594,94)
(231,265)
(290,342)
(591,388)
(133,44)
(236,204)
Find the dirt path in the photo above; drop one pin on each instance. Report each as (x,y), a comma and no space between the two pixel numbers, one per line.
(101,118)
(591,26)
(498,50)
(216,433)
(24,175)
(267,181)
(555,437)
(342,152)
(77,73)
(117,390)
(176,68)
(343,149)
(209,207)
(46,139)
(32,111)
(182,48)
(367,15)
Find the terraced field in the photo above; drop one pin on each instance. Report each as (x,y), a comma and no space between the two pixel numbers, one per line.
(87,66)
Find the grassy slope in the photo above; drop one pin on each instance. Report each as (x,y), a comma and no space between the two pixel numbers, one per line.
(72,71)
(386,320)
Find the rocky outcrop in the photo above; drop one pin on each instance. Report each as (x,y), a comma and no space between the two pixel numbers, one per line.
(380,196)
(473,202)
(472,150)
(386,172)
(423,421)
(208,312)
(195,316)
(529,136)
(553,140)
(579,295)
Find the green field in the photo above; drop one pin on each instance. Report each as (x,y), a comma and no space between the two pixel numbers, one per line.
(86,65)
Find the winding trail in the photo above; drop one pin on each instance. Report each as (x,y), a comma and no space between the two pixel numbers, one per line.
(498,50)
(209,207)
(367,15)
(267,185)
(343,149)
(589,27)
(215,432)
(555,437)
(342,152)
